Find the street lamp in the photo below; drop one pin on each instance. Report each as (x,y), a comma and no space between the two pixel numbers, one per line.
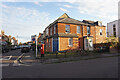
(36,44)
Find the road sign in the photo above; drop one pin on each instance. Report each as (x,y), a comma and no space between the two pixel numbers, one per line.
(33,39)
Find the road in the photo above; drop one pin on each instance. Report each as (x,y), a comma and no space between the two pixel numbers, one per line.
(93,68)
(9,58)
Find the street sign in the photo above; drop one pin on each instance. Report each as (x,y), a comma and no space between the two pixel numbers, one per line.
(33,39)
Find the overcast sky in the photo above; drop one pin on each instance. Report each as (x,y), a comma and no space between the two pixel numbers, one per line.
(24,19)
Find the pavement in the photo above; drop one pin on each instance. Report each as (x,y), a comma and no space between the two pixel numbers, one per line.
(29,58)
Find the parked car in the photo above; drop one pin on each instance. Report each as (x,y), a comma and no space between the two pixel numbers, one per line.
(25,49)
(18,47)
(13,48)
(5,49)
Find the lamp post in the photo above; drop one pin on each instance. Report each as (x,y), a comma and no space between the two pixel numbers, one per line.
(36,44)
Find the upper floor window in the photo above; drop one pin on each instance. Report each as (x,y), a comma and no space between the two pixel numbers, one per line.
(100,31)
(107,34)
(114,30)
(51,31)
(70,41)
(67,28)
(54,29)
(47,31)
(78,29)
(88,29)
(99,23)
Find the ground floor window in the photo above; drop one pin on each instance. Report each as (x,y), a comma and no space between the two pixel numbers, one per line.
(86,42)
(49,42)
(70,41)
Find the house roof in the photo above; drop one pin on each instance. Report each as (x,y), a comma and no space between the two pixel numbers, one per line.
(72,21)
(64,16)
(89,21)
(66,19)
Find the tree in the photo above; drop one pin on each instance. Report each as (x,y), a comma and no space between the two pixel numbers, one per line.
(20,43)
(9,43)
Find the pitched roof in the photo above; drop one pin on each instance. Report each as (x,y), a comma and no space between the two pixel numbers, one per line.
(72,21)
(88,21)
(64,16)
(66,19)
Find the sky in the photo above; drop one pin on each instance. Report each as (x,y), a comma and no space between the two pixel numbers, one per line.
(22,19)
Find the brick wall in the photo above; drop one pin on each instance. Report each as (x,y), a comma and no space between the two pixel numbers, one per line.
(64,43)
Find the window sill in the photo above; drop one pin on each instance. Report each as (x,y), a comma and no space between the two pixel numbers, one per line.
(70,45)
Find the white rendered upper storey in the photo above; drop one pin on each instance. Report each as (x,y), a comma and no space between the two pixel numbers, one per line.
(113,28)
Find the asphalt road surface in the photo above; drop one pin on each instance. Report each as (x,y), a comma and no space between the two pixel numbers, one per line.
(8,59)
(93,68)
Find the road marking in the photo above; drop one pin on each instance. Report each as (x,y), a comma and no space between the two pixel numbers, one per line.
(10,57)
(4,64)
(16,61)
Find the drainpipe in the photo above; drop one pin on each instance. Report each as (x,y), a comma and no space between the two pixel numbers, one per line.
(83,38)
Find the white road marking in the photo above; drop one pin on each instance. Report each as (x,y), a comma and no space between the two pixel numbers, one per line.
(16,61)
(10,57)
(4,64)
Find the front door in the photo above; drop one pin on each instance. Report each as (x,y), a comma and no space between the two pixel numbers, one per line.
(55,44)
(88,43)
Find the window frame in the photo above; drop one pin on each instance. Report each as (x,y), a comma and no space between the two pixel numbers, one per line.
(101,31)
(114,30)
(78,29)
(70,42)
(88,32)
(51,31)
(54,29)
(67,28)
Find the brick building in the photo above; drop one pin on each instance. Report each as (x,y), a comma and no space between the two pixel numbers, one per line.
(66,33)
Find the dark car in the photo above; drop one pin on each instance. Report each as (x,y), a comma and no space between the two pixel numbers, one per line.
(5,49)
(25,49)
(18,47)
(13,48)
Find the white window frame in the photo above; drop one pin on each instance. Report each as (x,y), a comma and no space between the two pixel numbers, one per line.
(70,43)
(78,30)
(47,31)
(67,28)
(54,29)
(99,23)
(101,31)
(87,29)
(51,31)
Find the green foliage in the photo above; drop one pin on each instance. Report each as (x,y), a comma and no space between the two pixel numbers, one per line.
(9,43)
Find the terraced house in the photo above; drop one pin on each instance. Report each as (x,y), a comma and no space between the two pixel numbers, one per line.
(66,33)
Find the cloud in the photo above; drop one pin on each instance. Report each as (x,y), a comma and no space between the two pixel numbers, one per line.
(9,0)
(3,6)
(82,12)
(37,3)
(68,6)
(108,9)
(64,10)
(24,22)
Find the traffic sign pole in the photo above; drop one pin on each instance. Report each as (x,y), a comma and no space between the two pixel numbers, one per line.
(36,45)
